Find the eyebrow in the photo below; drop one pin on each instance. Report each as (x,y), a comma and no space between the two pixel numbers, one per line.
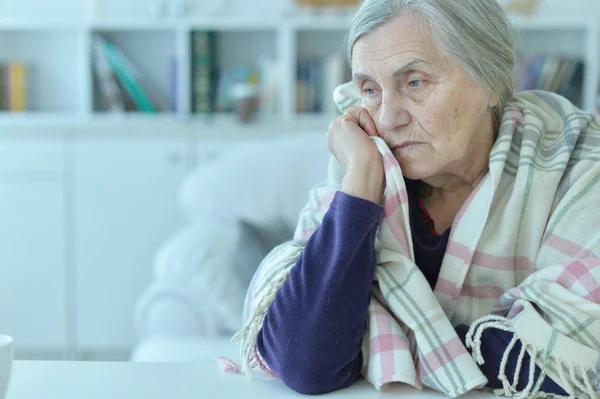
(409,66)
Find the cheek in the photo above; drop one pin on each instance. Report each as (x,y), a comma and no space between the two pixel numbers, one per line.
(432,118)
(436,113)
(446,114)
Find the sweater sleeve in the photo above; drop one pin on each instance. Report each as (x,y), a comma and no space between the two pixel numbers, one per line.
(493,345)
(312,334)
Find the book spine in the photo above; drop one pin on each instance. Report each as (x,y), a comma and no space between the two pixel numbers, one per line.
(310,100)
(222,80)
(16,87)
(202,72)
(302,91)
(109,89)
(309,105)
(569,73)
(175,84)
(319,82)
(6,92)
(134,90)
(2,88)
(142,84)
(20,88)
(11,88)
(127,100)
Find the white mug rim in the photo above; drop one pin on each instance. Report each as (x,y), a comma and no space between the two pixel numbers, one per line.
(5,340)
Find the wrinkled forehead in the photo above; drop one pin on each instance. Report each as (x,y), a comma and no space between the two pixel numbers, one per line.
(402,39)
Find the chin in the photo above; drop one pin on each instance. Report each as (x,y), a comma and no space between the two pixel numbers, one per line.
(412,171)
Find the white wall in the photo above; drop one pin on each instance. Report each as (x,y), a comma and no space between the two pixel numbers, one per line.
(41,8)
(570,7)
(137,7)
(72,8)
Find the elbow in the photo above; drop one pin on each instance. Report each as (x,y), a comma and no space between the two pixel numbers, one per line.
(307,368)
(309,375)
(312,382)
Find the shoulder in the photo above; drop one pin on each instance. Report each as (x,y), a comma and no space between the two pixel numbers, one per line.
(551,126)
(552,112)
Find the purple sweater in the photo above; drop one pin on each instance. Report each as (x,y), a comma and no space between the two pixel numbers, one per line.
(312,333)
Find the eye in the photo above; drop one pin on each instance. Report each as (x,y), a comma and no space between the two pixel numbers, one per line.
(415,83)
(369,92)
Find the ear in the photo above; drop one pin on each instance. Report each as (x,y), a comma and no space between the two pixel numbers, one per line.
(346,95)
(492,101)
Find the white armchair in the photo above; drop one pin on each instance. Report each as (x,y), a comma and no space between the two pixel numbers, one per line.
(239,206)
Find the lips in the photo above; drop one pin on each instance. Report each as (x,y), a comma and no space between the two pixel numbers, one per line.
(406,147)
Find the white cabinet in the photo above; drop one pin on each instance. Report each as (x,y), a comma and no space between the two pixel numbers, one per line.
(81,219)
(33,246)
(125,208)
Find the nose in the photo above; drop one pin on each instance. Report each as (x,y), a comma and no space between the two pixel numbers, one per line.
(393,113)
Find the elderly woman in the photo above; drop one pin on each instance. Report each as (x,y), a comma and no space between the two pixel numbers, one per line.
(456,243)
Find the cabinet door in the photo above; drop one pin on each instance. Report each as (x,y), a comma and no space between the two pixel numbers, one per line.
(33,263)
(125,200)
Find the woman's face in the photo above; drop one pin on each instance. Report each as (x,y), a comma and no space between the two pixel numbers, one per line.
(433,117)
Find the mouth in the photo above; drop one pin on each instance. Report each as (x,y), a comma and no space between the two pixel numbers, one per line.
(407,147)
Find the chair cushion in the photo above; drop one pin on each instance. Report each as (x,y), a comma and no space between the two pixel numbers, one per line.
(201,276)
(263,182)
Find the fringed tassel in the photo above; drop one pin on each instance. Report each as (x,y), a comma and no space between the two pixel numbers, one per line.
(478,323)
(246,337)
(565,383)
(473,338)
(519,365)
(507,388)
(531,378)
(588,383)
(229,366)
(572,378)
(261,363)
(577,383)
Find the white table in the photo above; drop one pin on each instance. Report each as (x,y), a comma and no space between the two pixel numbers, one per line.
(201,380)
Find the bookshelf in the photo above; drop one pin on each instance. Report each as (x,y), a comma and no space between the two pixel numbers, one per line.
(63,89)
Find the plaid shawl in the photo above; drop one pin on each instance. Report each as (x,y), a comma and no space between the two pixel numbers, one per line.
(523,256)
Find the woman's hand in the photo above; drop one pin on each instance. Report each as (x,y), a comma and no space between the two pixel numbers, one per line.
(348,137)
(348,140)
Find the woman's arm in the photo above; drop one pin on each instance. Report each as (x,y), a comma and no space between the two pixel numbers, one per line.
(312,334)
(493,345)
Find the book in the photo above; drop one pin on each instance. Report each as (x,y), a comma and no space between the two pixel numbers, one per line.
(107,82)
(549,70)
(317,79)
(302,87)
(126,78)
(315,84)
(18,98)
(127,100)
(3,87)
(145,86)
(14,86)
(561,75)
(6,92)
(203,48)
(174,84)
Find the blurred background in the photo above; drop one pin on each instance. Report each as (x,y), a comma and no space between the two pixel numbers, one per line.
(152,152)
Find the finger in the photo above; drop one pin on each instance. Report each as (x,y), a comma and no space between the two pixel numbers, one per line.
(364,120)
(367,124)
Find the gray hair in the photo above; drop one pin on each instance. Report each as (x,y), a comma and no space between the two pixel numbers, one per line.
(476,34)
